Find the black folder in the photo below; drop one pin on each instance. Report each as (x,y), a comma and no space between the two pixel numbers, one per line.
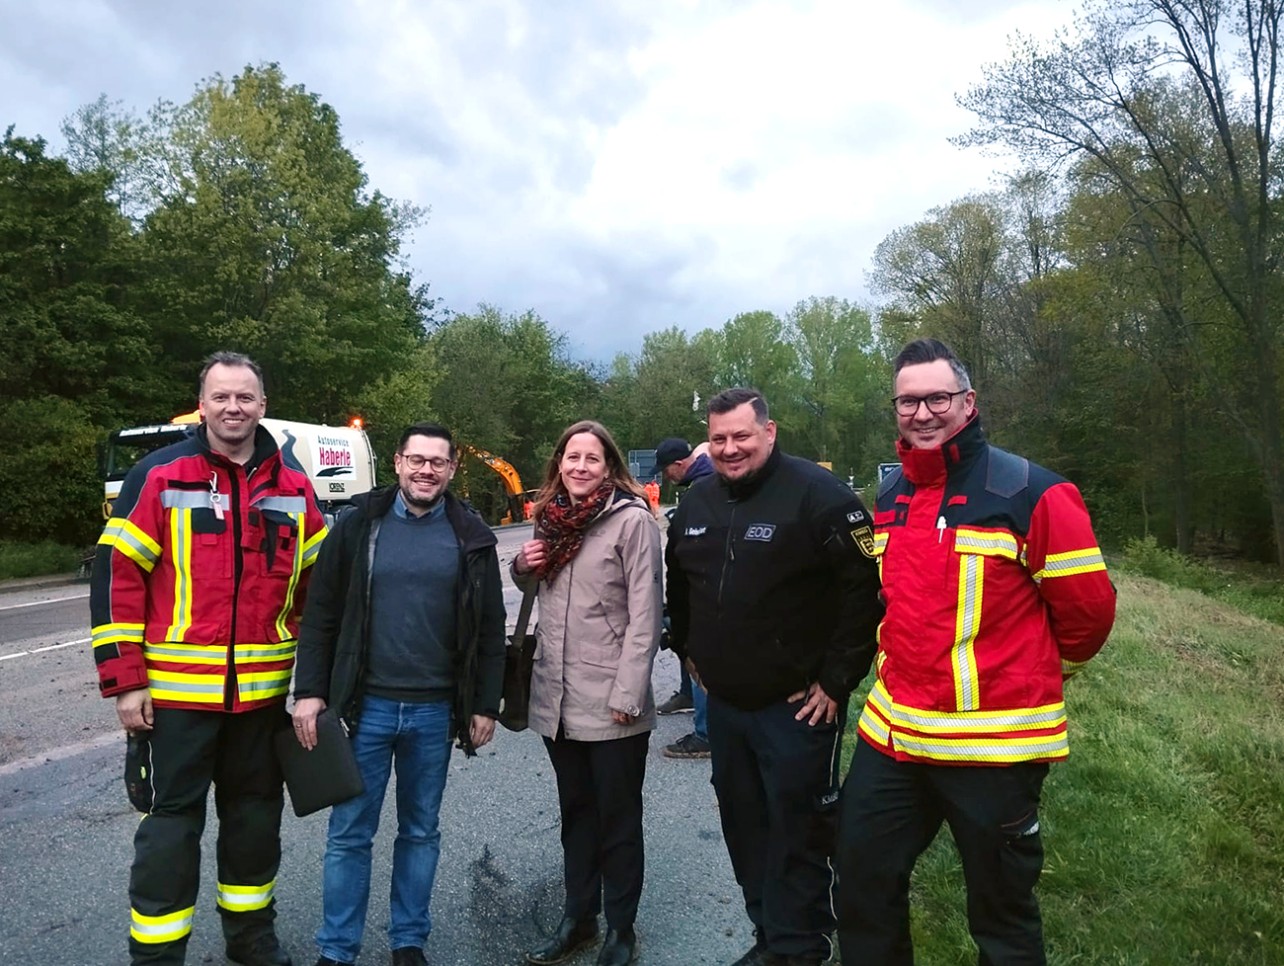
(324,776)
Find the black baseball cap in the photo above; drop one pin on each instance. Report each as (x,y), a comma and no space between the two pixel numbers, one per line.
(670,451)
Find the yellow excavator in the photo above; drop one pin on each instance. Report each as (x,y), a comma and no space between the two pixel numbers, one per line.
(518,498)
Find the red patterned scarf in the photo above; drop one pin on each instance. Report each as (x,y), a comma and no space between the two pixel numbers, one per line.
(562,526)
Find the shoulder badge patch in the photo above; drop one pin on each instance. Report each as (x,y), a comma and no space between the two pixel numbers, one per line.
(863,537)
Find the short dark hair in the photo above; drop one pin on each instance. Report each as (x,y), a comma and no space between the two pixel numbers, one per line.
(225,358)
(426,429)
(730,399)
(920,351)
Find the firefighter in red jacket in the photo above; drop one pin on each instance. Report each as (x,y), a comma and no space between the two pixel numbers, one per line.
(996,592)
(197,588)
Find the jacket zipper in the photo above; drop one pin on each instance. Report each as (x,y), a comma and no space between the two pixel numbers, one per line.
(729,557)
(238,567)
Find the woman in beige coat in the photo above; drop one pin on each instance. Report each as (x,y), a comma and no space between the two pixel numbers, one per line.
(596,555)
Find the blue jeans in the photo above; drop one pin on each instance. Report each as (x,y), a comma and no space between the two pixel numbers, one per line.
(700,704)
(417,737)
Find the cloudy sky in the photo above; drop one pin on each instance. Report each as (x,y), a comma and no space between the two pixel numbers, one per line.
(617,166)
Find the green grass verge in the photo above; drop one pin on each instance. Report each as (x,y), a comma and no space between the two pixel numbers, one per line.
(37,559)
(1164,831)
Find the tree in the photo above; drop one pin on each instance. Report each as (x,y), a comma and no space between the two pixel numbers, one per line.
(949,272)
(1209,173)
(266,239)
(507,386)
(841,386)
(73,358)
(662,392)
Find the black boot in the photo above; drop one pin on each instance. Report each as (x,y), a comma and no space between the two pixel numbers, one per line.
(263,950)
(567,938)
(619,948)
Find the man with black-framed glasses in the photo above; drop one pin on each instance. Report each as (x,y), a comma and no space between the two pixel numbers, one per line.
(404,636)
(995,592)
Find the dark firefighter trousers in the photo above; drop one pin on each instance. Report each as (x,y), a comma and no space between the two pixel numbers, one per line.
(891,812)
(168,775)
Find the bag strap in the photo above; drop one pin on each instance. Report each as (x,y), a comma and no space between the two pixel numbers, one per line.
(524,615)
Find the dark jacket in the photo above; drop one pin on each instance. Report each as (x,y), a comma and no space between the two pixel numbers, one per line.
(772,583)
(334,639)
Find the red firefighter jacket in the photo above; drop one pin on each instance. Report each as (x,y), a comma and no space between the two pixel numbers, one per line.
(995,591)
(200,574)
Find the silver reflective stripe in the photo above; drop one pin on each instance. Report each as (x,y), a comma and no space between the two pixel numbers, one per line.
(164,684)
(123,536)
(1074,563)
(989,542)
(215,651)
(871,723)
(286,504)
(979,751)
(271,684)
(981,721)
(266,651)
(189,499)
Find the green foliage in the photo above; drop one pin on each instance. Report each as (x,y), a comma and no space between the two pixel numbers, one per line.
(1258,592)
(508,387)
(49,477)
(1164,831)
(266,240)
(22,559)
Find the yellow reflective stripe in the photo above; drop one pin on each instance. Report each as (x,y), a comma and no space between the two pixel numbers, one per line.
(296,568)
(180,686)
(313,546)
(1072,562)
(117,633)
(988,543)
(169,693)
(242,898)
(994,750)
(872,726)
(880,541)
(161,929)
(257,685)
(180,533)
(257,653)
(186,653)
(971,722)
(967,695)
(132,541)
(1070,668)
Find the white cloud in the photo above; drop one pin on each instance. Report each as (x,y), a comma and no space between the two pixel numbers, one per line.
(615,167)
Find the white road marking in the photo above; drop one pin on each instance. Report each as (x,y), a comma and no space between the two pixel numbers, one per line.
(59,754)
(38,603)
(47,647)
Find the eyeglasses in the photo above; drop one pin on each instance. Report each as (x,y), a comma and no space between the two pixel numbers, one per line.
(416,462)
(938,403)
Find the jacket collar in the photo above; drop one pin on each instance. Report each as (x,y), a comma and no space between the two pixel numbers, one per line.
(923,467)
(264,448)
(470,529)
(744,488)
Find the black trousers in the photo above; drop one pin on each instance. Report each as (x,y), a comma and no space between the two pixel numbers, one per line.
(777,785)
(182,755)
(892,810)
(599,791)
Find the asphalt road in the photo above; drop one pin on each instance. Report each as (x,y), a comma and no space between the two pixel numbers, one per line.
(66,828)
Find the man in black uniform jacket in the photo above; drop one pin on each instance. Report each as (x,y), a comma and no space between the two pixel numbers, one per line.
(773,595)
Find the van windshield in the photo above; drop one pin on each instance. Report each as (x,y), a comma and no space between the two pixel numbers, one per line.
(126,447)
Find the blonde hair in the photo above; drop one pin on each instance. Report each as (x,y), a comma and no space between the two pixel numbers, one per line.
(617,469)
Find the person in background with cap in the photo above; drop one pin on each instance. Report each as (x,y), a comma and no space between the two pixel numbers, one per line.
(682,466)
